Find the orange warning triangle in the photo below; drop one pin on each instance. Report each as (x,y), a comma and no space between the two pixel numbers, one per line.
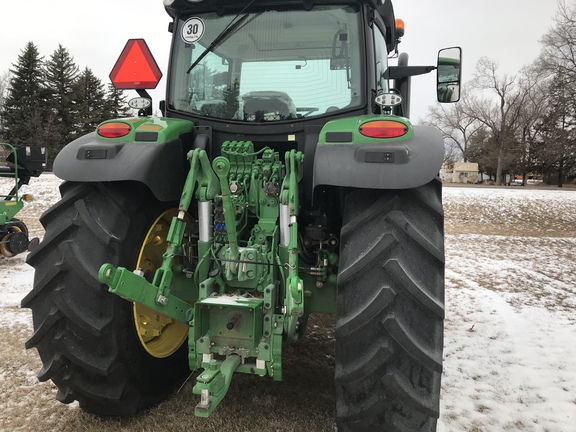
(136,67)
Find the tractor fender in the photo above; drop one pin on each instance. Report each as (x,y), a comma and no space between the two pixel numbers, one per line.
(387,164)
(156,159)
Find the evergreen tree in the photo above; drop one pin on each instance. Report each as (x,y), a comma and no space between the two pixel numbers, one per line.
(4,83)
(61,74)
(90,102)
(27,119)
(116,103)
(557,148)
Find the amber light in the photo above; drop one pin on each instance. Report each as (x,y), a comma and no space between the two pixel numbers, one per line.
(399,24)
(114,130)
(383,129)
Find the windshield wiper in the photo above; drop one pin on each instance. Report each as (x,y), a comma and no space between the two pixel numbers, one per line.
(228,30)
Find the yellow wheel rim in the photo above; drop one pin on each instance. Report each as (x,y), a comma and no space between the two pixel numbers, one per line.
(160,335)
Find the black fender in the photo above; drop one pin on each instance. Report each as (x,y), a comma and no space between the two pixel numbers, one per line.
(161,165)
(405,164)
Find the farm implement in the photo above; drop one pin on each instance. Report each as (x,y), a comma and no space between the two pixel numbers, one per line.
(20,165)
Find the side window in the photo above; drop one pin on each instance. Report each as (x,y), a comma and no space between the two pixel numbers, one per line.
(381,60)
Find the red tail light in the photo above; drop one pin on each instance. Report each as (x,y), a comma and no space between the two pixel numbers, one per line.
(114,130)
(383,129)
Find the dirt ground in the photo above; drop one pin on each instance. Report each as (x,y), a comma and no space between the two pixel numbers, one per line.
(303,401)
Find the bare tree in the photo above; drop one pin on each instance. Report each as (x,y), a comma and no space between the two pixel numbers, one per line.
(559,52)
(455,124)
(534,84)
(452,152)
(498,108)
(498,122)
(557,151)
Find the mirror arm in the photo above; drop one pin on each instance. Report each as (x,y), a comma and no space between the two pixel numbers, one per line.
(398,72)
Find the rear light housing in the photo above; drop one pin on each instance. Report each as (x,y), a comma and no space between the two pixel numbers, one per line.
(383,129)
(114,130)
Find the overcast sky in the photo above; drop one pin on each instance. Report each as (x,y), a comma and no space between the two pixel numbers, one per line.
(94,33)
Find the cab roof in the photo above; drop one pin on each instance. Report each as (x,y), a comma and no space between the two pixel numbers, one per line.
(186,7)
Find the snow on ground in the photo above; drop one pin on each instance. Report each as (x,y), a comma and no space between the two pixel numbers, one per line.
(510,328)
(510,338)
(15,280)
(15,275)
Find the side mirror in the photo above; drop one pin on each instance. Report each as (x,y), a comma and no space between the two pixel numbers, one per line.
(449,74)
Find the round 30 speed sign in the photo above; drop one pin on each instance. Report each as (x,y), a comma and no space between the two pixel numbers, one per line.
(192,30)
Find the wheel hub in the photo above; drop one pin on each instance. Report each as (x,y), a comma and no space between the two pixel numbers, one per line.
(14,243)
(159,335)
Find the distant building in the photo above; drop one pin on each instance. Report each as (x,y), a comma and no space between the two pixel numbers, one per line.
(465,172)
(460,172)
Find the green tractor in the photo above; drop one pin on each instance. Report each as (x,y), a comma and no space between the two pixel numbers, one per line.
(283,179)
(20,165)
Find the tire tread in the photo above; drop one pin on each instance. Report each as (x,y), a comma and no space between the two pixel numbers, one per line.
(390,310)
(85,335)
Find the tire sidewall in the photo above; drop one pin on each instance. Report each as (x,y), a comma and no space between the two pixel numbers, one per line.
(150,374)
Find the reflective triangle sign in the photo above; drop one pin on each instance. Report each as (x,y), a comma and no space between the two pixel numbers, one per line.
(136,67)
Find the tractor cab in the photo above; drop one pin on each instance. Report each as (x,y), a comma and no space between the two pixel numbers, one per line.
(268,65)
(237,67)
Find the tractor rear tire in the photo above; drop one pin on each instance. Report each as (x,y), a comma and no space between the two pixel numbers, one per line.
(84,334)
(390,310)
